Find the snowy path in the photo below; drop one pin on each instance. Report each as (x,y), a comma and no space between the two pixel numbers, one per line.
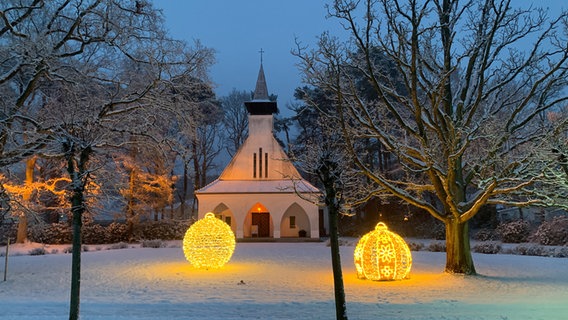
(282,281)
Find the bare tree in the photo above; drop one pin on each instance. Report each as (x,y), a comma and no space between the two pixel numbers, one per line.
(235,120)
(73,74)
(194,136)
(319,153)
(461,108)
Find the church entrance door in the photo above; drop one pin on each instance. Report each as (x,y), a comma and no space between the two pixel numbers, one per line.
(262,220)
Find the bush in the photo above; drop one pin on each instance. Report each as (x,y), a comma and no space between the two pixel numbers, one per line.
(415,246)
(117,232)
(553,232)
(37,251)
(93,233)
(55,233)
(432,229)
(163,230)
(120,245)
(485,235)
(153,243)
(487,248)
(8,230)
(561,252)
(514,231)
(531,250)
(437,246)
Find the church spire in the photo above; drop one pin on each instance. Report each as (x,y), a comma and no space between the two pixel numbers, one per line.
(261,104)
(261,90)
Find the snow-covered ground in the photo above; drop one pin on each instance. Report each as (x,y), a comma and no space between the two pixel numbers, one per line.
(279,281)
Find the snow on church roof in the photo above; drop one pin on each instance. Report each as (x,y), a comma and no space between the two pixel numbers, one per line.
(258,186)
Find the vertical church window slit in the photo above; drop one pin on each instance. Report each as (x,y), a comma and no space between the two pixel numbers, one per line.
(266,165)
(260,162)
(254,165)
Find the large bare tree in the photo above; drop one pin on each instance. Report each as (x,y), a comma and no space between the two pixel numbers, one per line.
(459,91)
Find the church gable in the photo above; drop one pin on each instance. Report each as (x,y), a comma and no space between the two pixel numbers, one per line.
(260,158)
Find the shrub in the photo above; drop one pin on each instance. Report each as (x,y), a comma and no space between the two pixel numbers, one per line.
(487,248)
(415,246)
(514,231)
(163,229)
(119,245)
(152,244)
(37,251)
(93,233)
(437,246)
(561,252)
(433,229)
(531,250)
(553,232)
(485,235)
(117,232)
(55,233)
(8,230)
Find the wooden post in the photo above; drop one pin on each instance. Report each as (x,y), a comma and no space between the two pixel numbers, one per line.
(6,260)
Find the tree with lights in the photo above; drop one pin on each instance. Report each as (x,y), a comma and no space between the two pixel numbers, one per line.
(461,95)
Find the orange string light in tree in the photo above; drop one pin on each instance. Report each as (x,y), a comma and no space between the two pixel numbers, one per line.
(382,255)
(209,243)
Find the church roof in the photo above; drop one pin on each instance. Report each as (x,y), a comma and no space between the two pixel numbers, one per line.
(256,186)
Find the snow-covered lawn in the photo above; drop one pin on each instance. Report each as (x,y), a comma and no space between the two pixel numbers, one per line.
(279,281)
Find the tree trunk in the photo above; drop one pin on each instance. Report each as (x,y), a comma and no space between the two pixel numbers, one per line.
(130,207)
(183,197)
(340,304)
(196,175)
(77,173)
(328,180)
(77,210)
(458,251)
(22,234)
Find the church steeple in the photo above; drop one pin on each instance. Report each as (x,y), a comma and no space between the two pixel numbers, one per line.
(260,104)
(261,90)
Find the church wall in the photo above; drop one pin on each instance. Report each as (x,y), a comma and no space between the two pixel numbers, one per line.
(276,204)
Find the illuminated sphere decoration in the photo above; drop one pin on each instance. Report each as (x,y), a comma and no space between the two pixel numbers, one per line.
(209,243)
(382,255)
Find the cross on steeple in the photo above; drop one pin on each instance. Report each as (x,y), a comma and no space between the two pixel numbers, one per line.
(261,52)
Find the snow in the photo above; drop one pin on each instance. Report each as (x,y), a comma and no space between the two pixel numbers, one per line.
(279,281)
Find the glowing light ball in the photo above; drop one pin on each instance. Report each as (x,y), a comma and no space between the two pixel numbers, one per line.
(382,255)
(209,243)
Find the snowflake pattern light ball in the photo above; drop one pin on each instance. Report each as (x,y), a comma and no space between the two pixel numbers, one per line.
(209,243)
(382,255)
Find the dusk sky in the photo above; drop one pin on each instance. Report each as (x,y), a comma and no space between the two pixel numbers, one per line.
(237,30)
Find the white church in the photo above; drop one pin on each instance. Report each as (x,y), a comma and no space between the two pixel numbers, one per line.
(260,193)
